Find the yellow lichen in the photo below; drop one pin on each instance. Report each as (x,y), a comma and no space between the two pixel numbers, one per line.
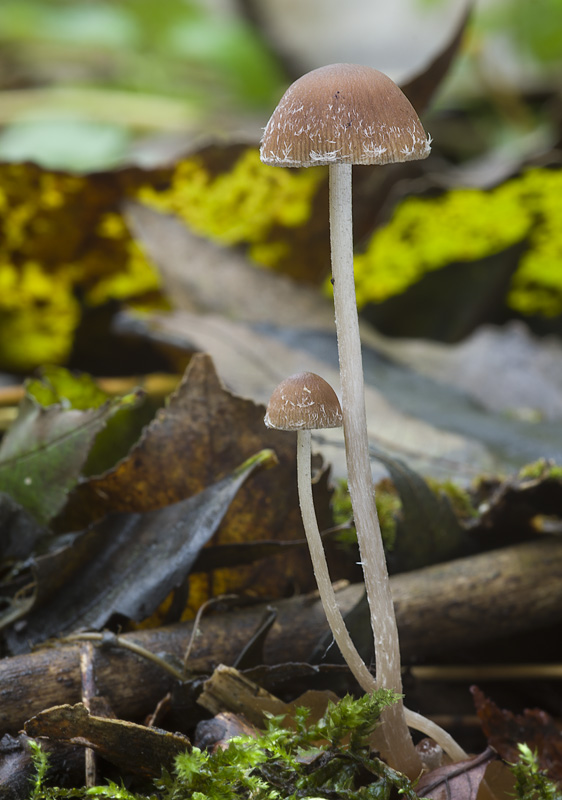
(38,316)
(242,205)
(62,237)
(426,234)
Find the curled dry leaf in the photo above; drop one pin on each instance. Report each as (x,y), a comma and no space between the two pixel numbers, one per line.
(504,730)
(460,781)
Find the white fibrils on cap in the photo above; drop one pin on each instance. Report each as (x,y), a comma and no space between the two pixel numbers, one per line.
(343,113)
(303,402)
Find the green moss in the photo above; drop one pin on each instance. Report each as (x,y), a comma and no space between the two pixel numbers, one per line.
(531,783)
(427,234)
(540,469)
(38,315)
(327,758)
(61,239)
(459,498)
(388,507)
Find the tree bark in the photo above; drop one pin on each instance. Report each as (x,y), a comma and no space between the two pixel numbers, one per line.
(463,602)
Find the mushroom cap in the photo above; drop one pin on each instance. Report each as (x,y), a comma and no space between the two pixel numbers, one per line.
(343,113)
(303,402)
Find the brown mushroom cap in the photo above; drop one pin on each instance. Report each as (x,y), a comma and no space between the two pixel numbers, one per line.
(303,402)
(343,113)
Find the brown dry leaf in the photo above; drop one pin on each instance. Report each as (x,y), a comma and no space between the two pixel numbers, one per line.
(203,434)
(459,781)
(133,748)
(125,564)
(504,730)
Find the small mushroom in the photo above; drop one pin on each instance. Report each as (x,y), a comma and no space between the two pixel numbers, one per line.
(302,403)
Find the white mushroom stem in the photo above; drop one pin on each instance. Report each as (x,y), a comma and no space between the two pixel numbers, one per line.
(383,621)
(320,566)
(336,622)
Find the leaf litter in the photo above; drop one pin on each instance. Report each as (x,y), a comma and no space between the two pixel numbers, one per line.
(125,564)
(202,433)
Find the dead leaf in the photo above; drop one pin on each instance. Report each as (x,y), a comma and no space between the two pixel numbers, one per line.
(511,510)
(459,781)
(428,531)
(420,89)
(449,303)
(534,727)
(125,564)
(133,748)
(530,368)
(19,531)
(192,267)
(204,432)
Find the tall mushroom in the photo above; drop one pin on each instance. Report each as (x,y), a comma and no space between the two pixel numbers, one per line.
(340,115)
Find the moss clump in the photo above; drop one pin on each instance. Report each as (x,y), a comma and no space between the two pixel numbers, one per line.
(62,238)
(388,504)
(530,782)
(427,234)
(327,758)
(540,469)
(459,498)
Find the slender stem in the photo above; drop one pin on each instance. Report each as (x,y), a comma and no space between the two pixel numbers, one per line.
(385,633)
(320,567)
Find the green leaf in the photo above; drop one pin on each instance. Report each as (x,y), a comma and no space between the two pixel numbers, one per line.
(57,385)
(42,454)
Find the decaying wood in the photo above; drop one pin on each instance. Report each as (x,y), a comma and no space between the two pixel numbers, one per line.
(229,690)
(118,741)
(462,602)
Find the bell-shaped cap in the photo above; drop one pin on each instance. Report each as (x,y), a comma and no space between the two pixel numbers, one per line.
(343,113)
(303,402)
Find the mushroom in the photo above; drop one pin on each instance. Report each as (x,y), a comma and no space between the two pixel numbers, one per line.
(340,115)
(302,403)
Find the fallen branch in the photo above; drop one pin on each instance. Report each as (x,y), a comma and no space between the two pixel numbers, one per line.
(463,602)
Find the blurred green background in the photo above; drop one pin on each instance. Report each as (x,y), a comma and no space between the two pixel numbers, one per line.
(83,82)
